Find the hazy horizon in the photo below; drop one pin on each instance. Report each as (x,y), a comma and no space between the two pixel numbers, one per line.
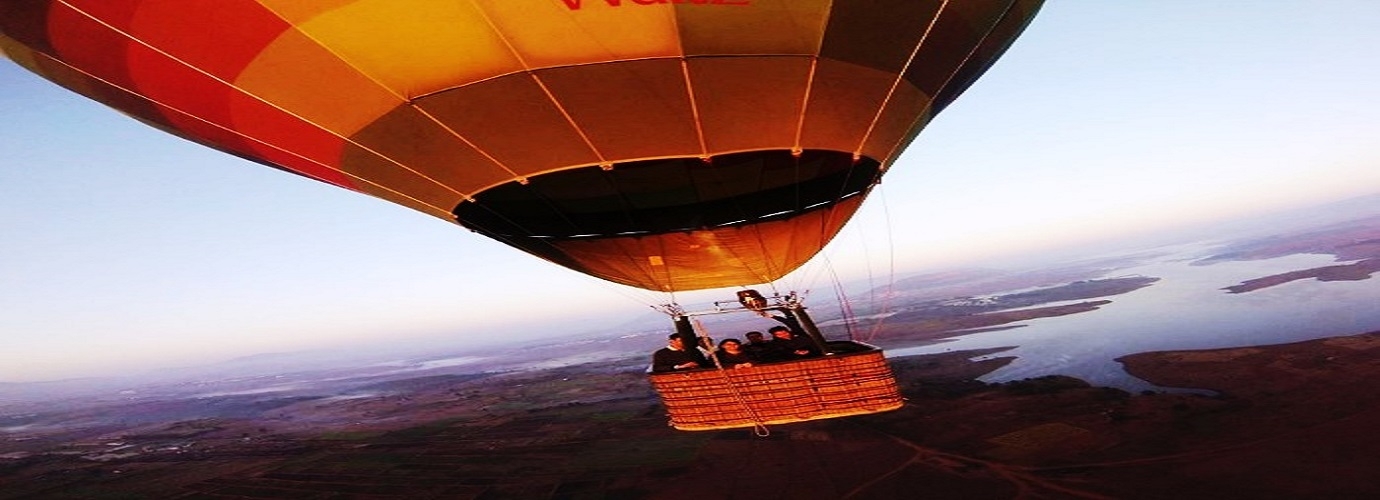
(623,319)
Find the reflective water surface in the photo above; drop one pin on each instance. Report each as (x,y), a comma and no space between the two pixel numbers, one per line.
(1186,309)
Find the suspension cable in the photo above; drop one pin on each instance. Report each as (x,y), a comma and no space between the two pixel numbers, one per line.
(759,426)
(881,312)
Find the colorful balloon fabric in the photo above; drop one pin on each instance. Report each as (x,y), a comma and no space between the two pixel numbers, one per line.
(663,144)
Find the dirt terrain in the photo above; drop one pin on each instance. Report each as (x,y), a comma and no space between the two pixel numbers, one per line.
(1290,421)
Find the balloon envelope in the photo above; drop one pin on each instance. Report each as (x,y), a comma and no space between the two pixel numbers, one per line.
(663,144)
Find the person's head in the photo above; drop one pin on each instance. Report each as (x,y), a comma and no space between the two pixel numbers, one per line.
(780,332)
(675,341)
(731,345)
(753,337)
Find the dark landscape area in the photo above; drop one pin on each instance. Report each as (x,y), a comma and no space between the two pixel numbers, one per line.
(1287,421)
(575,418)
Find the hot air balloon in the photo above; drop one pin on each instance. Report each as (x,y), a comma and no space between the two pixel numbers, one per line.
(662,144)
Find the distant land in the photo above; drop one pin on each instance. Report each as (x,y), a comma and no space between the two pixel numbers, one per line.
(1354,240)
(929,320)
(1287,421)
(1356,271)
(574,417)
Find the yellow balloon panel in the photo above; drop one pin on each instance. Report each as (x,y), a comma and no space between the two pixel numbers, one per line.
(414,48)
(548,33)
(296,74)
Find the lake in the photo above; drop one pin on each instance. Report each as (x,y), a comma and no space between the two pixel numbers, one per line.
(1186,309)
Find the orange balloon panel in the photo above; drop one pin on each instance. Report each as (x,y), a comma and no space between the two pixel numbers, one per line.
(662,144)
(756,252)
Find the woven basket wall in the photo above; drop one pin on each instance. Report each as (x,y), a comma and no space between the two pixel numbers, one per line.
(835,385)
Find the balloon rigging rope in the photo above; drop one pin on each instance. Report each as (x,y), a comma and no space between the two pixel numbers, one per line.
(845,306)
(528,68)
(900,76)
(966,59)
(845,309)
(890,293)
(694,105)
(759,426)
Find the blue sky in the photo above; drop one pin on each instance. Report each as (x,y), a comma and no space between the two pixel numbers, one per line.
(122,248)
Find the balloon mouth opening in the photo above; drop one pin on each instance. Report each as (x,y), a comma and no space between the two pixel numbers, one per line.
(668,195)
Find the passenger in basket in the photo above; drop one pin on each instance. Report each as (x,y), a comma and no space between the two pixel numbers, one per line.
(758,348)
(675,356)
(732,355)
(788,346)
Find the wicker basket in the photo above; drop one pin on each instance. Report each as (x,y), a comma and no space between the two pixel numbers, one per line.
(839,384)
